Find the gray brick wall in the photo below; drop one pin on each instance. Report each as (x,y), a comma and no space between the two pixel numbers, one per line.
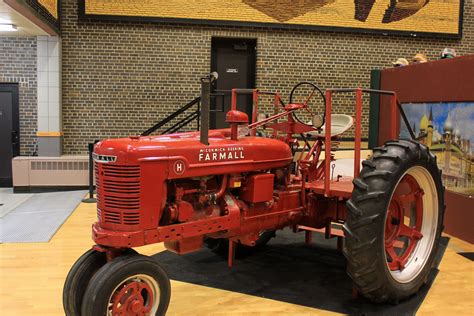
(120,78)
(18,65)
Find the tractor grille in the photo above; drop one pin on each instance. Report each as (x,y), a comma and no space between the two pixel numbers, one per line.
(118,194)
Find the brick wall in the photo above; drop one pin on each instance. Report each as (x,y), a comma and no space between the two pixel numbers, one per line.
(18,65)
(120,78)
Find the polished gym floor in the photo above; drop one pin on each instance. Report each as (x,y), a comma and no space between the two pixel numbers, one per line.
(32,276)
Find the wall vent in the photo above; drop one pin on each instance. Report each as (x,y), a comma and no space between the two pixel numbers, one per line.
(59,165)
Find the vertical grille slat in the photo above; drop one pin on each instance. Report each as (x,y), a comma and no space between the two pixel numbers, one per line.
(118,193)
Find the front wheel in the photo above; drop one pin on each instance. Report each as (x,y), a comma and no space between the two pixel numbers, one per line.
(394,222)
(78,278)
(128,285)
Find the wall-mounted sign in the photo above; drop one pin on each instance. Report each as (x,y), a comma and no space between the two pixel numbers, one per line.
(411,17)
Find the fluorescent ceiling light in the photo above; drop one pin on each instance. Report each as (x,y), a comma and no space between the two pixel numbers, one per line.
(8,28)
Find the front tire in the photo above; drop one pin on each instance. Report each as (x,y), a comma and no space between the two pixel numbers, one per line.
(394,222)
(128,285)
(78,278)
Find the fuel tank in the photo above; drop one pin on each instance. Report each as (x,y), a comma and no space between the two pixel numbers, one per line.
(184,156)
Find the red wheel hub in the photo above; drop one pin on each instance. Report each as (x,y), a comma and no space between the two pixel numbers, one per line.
(401,237)
(134,298)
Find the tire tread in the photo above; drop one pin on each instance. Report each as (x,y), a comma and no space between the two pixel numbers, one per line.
(365,223)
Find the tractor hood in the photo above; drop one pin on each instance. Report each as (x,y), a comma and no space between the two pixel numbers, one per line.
(186,156)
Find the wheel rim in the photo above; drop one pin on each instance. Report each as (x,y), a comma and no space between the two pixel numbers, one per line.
(410,224)
(136,295)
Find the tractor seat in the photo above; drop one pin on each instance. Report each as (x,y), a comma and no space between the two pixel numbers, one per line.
(339,124)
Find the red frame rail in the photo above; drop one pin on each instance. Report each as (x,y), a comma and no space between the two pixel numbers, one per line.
(358,127)
(255,98)
(255,102)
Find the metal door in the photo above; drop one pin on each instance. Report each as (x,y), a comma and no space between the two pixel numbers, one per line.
(234,60)
(9,131)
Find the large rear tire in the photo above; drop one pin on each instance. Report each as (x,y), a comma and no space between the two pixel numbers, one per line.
(394,222)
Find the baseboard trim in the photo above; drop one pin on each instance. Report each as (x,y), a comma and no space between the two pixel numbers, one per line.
(44,189)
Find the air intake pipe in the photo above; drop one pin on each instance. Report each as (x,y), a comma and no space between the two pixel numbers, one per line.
(206,82)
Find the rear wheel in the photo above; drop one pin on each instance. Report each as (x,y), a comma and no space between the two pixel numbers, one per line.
(128,285)
(394,221)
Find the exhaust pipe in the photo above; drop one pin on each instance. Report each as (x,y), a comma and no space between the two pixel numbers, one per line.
(206,105)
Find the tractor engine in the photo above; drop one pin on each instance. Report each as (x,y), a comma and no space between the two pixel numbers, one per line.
(191,199)
(256,194)
(198,198)
(195,199)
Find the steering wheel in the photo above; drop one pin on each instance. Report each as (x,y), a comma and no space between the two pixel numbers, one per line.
(310,96)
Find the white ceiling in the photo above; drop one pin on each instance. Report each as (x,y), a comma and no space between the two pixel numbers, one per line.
(25,27)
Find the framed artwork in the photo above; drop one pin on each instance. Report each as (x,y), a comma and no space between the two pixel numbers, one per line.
(51,6)
(411,17)
(449,129)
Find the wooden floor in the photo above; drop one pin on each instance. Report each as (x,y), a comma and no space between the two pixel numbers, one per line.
(32,276)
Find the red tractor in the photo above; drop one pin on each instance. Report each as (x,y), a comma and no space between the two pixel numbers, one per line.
(232,188)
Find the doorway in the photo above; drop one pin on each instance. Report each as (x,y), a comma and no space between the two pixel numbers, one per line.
(234,59)
(9,131)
